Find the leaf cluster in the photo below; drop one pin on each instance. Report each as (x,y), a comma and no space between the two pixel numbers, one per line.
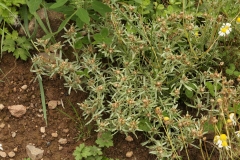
(19,46)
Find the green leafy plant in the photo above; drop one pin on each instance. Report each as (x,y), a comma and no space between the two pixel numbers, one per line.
(231,71)
(93,152)
(9,11)
(19,46)
(105,139)
(87,153)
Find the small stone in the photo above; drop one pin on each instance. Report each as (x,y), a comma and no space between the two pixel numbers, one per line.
(42,129)
(129,154)
(33,96)
(14,89)
(15,149)
(62,141)
(52,104)
(24,87)
(2,125)
(55,134)
(60,148)
(1,107)
(3,154)
(66,130)
(129,139)
(11,154)
(59,103)
(31,105)
(17,110)
(14,134)
(34,153)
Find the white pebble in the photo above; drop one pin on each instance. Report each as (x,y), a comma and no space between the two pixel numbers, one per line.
(129,154)
(1,107)
(3,154)
(24,87)
(11,154)
(54,134)
(42,130)
(14,134)
(62,141)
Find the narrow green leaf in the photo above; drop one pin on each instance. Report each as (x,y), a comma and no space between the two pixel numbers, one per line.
(83,15)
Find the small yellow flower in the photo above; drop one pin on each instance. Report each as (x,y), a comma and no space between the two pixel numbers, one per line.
(238,20)
(229,121)
(197,33)
(221,141)
(223,137)
(225,144)
(166,118)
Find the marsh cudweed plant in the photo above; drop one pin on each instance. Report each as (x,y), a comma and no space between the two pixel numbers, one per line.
(149,72)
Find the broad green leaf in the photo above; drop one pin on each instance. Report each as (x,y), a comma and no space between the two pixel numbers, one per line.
(83,15)
(78,44)
(86,152)
(79,23)
(14,35)
(189,93)
(58,3)
(105,140)
(104,32)
(236,73)
(229,71)
(33,5)
(160,7)
(8,45)
(144,125)
(19,52)
(100,7)
(98,37)
(210,88)
(95,151)
(232,66)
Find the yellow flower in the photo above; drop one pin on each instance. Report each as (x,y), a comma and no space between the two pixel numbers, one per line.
(166,118)
(238,20)
(221,141)
(223,137)
(229,121)
(225,144)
